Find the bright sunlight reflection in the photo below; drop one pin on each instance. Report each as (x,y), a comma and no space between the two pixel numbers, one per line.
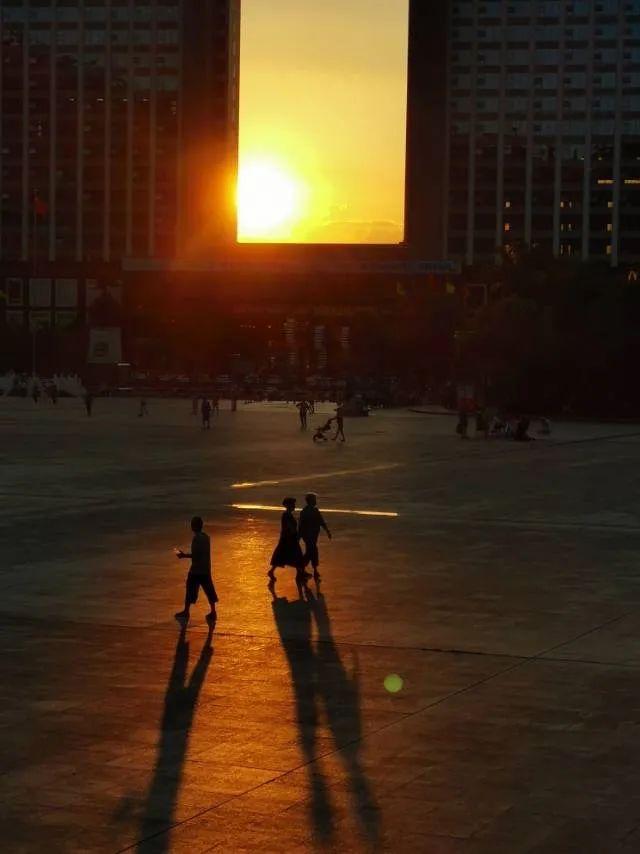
(270,200)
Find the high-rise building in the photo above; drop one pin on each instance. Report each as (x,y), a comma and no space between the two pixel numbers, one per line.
(537,139)
(118,130)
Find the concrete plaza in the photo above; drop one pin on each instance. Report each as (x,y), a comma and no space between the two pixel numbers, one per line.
(504,593)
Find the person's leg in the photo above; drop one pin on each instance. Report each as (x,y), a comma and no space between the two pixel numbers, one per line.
(206,582)
(190,598)
(314,557)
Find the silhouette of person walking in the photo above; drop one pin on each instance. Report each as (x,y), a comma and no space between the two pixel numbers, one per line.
(199,574)
(340,424)
(88,402)
(303,412)
(206,413)
(311,522)
(288,551)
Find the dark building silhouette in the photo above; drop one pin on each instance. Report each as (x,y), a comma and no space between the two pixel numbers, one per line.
(524,125)
(118,131)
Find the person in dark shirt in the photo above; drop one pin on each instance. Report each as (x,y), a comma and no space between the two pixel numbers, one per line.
(303,412)
(199,574)
(88,403)
(339,424)
(206,414)
(288,551)
(311,522)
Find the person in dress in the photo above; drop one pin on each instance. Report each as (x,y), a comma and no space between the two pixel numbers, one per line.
(288,551)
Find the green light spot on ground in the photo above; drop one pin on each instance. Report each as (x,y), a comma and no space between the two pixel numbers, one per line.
(393,683)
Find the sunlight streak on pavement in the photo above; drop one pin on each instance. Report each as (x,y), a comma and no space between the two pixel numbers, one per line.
(274,507)
(251,484)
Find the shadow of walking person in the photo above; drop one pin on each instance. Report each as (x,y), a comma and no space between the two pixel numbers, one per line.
(339,691)
(293,621)
(180,702)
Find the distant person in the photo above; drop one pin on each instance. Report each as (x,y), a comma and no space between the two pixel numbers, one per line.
(462,428)
(215,403)
(288,551)
(205,410)
(199,574)
(339,419)
(309,527)
(482,425)
(302,413)
(143,408)
(320,434)
(54,394)
(88,403)
(35,393)
(545,427)
(522,430)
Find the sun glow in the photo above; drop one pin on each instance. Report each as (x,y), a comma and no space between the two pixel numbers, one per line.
(271,200)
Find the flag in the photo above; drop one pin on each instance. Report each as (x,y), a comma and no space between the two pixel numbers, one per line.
(40,207)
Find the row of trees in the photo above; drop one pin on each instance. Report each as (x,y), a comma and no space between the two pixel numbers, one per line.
(555,335)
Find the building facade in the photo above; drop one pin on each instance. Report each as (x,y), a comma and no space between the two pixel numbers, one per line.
(118,134)
(540,128)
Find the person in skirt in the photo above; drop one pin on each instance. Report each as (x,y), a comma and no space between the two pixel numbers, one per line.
(288,551)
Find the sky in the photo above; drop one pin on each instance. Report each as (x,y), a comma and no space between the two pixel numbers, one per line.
(322,120)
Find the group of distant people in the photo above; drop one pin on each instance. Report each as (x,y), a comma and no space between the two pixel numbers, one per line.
(288,552)
(501,427)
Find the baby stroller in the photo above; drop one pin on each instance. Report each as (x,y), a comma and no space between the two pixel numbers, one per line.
(320,434)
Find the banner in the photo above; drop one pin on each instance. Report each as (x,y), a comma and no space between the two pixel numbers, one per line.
(105,346)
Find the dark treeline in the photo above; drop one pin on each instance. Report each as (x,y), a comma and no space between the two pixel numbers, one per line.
(556,336)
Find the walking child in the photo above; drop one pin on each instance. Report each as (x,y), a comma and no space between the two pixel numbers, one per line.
(199,574)
(311,522)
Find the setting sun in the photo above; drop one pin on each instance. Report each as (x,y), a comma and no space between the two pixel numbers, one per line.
(323,96)
(270,200)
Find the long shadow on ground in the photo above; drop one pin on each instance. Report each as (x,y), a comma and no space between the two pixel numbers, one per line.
(321,681)
(180,702)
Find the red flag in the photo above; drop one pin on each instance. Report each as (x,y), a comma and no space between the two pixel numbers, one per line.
(40,207)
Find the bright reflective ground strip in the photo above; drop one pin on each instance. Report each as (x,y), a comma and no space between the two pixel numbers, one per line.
(276,507)
(250,484)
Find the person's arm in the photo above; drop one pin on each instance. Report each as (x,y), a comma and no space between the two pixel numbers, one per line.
(324,525)
(184,555)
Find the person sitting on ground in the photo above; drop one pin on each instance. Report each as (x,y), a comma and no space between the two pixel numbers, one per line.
(199,574)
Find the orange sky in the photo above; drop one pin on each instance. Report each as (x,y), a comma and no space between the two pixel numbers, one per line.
(323,103)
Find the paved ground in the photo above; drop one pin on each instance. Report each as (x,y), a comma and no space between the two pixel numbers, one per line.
(504,593)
